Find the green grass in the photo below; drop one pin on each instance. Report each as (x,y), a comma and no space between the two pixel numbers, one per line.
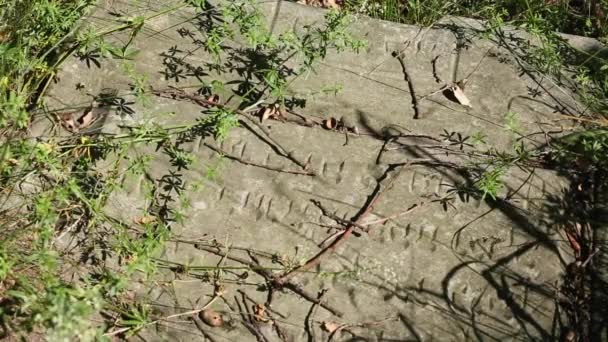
(575,17)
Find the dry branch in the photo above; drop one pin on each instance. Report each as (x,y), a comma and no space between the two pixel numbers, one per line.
(268,276)
(250,163)
(177,94)
(315,260)
(410,83)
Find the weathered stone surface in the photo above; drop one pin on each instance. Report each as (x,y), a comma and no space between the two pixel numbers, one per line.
(479,270)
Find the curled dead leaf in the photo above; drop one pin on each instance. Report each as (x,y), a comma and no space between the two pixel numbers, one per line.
(214,98)
(330,327)
(267,113)
(280,113)
(576,247)
(211,318)
(144,219)
(284,259)
(460,96)
(330,123)
(68,122)
(220,290)
(578,227)
(271,112)
(259,313)
(86,119)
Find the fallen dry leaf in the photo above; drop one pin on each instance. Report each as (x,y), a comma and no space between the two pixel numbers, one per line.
(271,112)
(578,228)
(86,119)
(460,96)
(573,243)
(211,318)
(213,98)
(144,219)
(68,122)
(330,123)
(259,313)
(280,113)
(330,327)
(267,112)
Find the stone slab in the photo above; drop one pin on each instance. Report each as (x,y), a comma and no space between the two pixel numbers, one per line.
(479,270)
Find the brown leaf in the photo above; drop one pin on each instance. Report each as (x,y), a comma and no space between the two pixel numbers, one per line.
(284,259)
(330,327)
(460,96)
(144,219)
(330,123)
(578,228)
(86,119)
(280,113)
(266,113)
(214,98)
(573,243)
(259,313)
(211,318)
(68,122)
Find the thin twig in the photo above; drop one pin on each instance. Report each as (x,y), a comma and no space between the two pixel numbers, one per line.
(186,313)
(346,326)
(176,93)
(296,288)
(315,260)
(383,220)
(268,311)
(443,88)
(250,163)
(308,326)
(195,311)
(274,312)
(410,83)
(336,218)
(330,238)
(434,66)
(246,316)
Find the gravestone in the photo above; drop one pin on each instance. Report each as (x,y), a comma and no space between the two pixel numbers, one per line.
(438,264)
